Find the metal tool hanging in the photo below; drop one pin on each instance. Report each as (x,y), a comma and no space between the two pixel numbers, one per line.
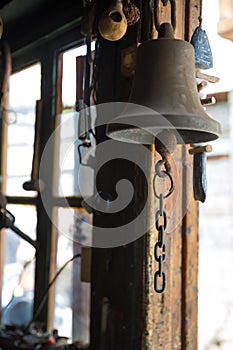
(199,171)
(83,81)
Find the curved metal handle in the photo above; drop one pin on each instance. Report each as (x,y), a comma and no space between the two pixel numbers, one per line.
(156,14)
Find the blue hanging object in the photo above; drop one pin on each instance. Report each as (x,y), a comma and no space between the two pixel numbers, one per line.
(203,53)
(199,177)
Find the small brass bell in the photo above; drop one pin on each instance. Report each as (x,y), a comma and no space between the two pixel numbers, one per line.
(165,84)
(113,23)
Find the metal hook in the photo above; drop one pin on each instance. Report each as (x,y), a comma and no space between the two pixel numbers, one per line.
(156,13)
(85,145)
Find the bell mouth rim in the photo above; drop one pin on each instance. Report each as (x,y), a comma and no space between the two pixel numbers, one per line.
(164,39)
(132,129)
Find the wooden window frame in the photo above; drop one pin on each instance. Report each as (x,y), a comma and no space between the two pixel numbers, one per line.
(47,52)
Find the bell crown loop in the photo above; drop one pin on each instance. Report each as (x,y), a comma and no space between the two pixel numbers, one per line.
(156,14)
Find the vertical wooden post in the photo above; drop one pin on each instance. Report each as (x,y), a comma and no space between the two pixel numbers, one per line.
(172,317)
(190,224)
(43,258)
(126,312)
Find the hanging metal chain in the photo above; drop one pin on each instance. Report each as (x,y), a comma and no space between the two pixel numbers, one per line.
(161,225)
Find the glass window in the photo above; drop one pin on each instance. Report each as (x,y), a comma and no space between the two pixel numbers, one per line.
(72,225)
(69,302)
(72,180)
(23,93)
(72,293)
(18,274)
(19,255)
(67,164)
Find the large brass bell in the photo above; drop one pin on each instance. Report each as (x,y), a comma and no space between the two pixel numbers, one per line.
(164,82)
(113,23)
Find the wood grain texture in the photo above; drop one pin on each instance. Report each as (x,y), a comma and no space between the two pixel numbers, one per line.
(132,315)
(164,310)
(171,321)
(189,263)
(192,12)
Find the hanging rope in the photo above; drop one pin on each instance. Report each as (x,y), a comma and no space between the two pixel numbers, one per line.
(200,16)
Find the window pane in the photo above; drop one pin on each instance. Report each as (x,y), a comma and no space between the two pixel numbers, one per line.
(72,179)
(72,295)
(69,74)
(18,277)
(215,298)
(22,105)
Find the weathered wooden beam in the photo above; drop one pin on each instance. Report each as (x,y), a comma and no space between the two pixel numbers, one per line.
(126,312)
(189,224)
(117,287)
(171,318)
(189,261)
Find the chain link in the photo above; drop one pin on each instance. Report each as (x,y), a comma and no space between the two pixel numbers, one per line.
(161,225)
